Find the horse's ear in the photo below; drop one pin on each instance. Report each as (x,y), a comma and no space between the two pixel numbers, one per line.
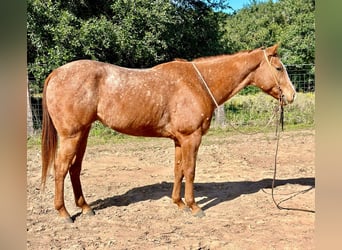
(271,51)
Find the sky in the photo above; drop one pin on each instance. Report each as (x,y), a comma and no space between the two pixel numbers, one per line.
(239,4)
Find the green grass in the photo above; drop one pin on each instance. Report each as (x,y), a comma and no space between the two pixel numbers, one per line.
(33,141)
(100,134)
(249,113)
(253,112)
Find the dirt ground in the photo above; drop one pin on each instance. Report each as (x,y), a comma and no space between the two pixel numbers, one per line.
(129,185)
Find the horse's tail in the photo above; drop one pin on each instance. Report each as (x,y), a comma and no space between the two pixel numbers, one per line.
(49,137)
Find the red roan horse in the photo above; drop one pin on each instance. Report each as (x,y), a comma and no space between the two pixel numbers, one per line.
(175,100)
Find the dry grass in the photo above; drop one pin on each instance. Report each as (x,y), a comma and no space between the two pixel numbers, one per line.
(256,110)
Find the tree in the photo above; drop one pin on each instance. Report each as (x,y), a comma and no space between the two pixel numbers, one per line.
(139,33)
(195,31)
(143,33)
(297,35)
(288,22)
(140,27)
(56,36)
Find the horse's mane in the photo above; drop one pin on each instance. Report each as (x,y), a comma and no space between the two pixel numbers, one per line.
(223,55)
(199,59)
(180,60)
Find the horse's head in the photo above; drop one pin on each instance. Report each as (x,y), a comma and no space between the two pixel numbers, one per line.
(271,76)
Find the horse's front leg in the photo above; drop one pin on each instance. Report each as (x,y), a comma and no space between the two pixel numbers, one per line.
(190,146)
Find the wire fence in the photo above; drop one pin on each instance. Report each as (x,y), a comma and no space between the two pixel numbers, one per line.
(302,76)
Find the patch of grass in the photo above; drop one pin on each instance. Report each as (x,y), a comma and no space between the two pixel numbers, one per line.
(302,111)
(33,141)
(254,111)
(100,134)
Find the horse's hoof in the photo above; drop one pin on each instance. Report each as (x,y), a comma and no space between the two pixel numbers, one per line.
(199,214)
(89,212)
(66,220)
(186,209)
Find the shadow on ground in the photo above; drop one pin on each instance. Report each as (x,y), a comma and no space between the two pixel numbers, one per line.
(215,192)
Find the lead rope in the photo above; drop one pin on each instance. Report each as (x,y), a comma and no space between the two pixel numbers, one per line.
(205,84)
(281,122)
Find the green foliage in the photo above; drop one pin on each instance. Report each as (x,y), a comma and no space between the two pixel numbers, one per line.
(255,111)
(288,22)
(143,33)
(137,33)
(302,111)
(100,134)
(99,130)
(249,90)
(56,36)
(140,27)
(195,31)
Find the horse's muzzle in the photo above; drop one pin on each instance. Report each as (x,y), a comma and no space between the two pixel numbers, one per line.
(288,100)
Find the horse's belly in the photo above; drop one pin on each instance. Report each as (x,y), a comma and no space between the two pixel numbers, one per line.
(137,120)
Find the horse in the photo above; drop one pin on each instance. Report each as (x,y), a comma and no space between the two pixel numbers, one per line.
(175,100)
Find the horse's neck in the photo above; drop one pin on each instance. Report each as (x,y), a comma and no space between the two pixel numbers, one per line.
(227,75)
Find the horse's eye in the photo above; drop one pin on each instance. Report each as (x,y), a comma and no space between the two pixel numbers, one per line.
(279,68)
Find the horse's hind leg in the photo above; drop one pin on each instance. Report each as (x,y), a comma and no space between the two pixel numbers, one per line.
(75,171)
(178,171)
(66,154)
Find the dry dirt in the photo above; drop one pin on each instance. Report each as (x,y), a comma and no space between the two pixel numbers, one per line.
(129,184)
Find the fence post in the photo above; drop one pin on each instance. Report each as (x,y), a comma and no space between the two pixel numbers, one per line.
(30,129)
(220,118)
